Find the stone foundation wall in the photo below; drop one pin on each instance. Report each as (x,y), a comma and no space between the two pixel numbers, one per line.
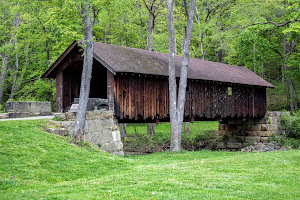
(236,134)
(100,129)
(27,108)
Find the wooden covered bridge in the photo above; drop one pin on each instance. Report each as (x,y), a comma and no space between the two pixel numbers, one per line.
(135,82)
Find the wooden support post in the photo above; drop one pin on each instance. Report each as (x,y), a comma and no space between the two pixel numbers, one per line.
(110,90)
(59,91)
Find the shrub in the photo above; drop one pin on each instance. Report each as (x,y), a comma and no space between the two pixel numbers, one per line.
(290,125)
(2,109)
(200,140)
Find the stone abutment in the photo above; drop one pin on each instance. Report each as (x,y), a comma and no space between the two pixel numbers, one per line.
(237,133)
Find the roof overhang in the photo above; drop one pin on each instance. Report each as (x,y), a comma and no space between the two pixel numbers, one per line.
(119,59)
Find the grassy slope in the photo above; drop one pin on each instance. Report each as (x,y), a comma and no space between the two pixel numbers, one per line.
(45,166)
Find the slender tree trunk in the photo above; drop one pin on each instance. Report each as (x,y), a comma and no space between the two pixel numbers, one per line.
(216,53)
(177,107)
(6,59)
(172,78)
(15,73)
(254,63)
(136,129)
(24,69)
(186,127)
(287,78)
(152,9)
(150,31)
(86,71)
(123,131)
(150,129)
(141,20)
(293,101)
(51,93)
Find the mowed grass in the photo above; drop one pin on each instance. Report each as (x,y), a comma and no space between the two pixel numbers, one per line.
(37,165)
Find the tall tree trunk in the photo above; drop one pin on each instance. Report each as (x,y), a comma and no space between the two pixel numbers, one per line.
(177,107)
(292,99)
(19,82)
(86,71)
(142,23)
(15,73)
(172,78)
(152,9)
(123,131)
(150,31)
(6,59)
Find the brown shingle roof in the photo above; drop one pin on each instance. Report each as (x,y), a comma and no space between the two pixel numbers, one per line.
(125,59)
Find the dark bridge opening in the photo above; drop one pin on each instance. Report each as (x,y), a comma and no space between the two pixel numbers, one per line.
(72,82)
(98,87)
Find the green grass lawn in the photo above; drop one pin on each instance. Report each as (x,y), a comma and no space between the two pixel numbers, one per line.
(37,165)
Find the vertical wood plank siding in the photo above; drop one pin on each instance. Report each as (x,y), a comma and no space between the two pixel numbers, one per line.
(147,97)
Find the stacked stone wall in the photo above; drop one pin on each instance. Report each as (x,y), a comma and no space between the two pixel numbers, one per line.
(236,134)
(27,108)
(100,129)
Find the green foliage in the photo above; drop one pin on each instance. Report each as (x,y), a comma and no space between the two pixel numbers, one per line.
(39,90)
(55,118)
(224,31)
(287,142)
(200,140)
(2,109)
(202,135)
(293,143)
(37,165)
(291,125)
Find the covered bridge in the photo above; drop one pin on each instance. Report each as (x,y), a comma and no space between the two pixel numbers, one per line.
(135,82)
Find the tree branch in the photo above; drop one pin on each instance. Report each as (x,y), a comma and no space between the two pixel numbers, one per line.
(186,9)
(273,23)
(146,5)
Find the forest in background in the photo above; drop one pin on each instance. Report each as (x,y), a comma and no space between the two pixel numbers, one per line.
(262,35)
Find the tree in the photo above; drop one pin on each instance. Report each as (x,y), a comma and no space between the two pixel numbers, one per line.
(86,71)
(177,106)
(6,57)
(152,8)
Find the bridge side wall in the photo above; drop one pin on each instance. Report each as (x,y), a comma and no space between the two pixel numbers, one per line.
(140,97)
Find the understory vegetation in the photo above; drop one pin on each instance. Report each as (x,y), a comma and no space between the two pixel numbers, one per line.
(38,165)
(201,135)
(290,129)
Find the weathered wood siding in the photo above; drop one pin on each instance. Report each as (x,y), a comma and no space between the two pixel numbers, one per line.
(143,97)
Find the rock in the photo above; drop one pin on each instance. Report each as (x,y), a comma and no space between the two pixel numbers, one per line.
(100,129)
(94,103)
(264,147)
(3,115)
(249,139)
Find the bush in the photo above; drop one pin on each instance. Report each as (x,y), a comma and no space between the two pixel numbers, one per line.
(290,125)
(200,140)
(2,109)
